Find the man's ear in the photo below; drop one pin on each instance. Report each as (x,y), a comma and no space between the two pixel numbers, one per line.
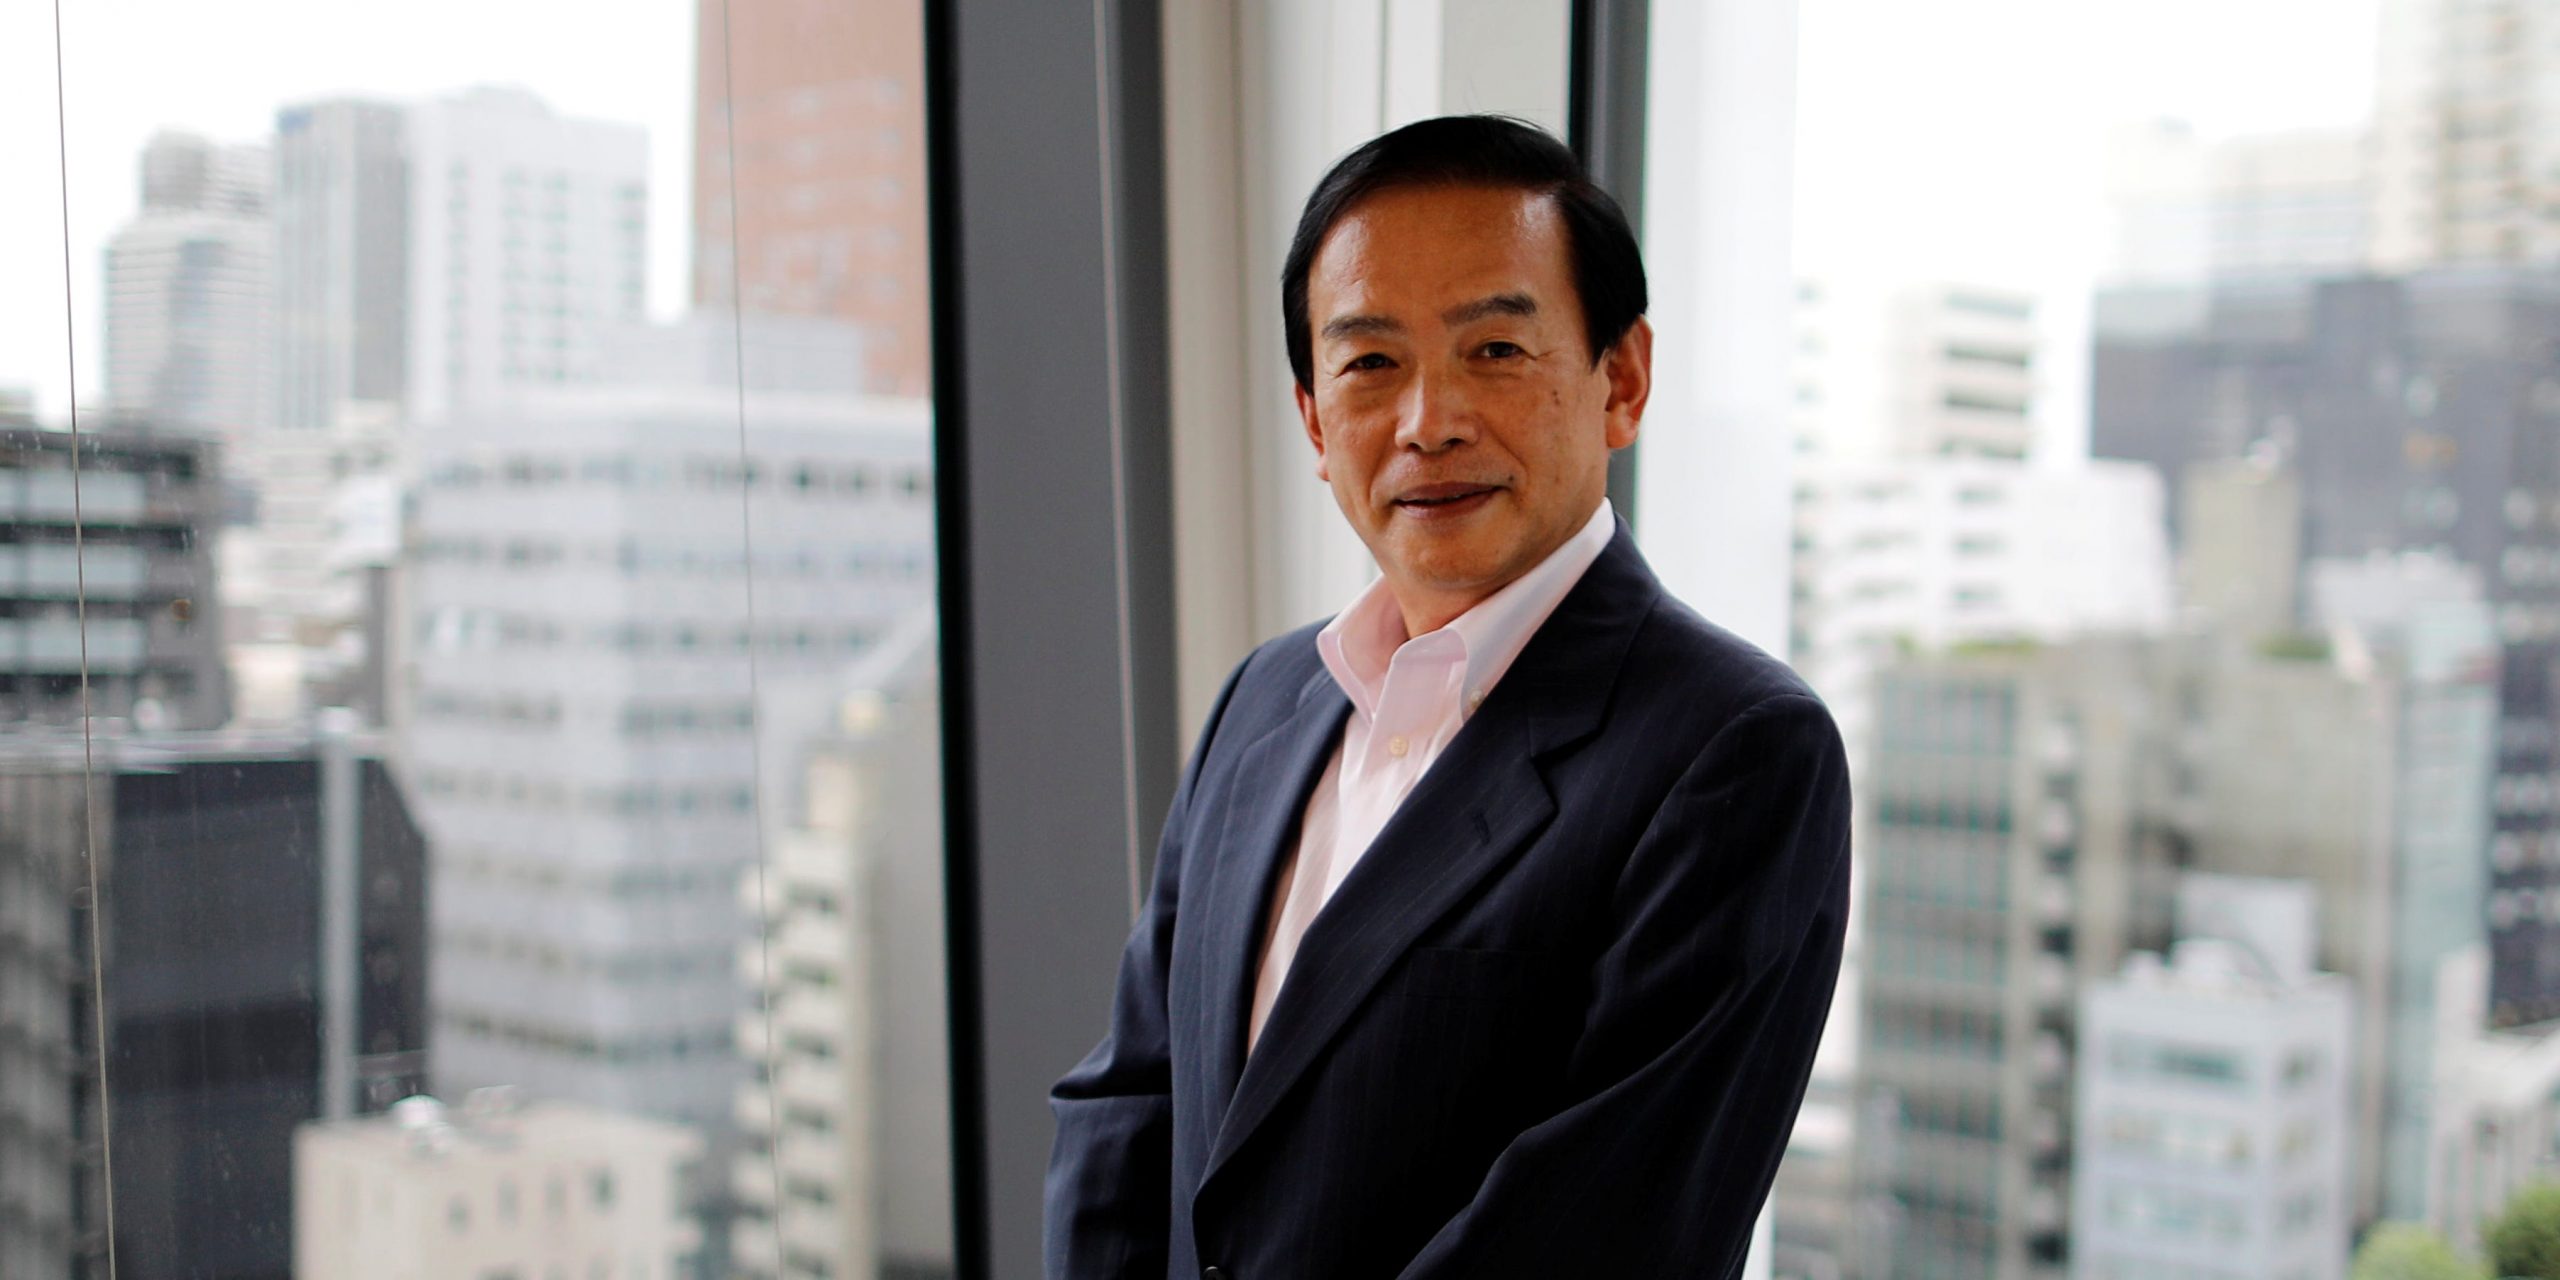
(1629,366)
(1315,429)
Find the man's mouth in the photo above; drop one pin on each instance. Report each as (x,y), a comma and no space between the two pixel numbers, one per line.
(1444,499)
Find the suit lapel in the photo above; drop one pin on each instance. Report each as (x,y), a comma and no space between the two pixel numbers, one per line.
(1276,774)
(1483,801)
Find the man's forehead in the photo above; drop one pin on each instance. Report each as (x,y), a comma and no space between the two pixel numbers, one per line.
(1441,249)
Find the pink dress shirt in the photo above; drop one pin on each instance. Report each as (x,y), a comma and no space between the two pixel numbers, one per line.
(1409,697)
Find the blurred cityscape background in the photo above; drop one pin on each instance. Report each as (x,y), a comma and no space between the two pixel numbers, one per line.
(470,725)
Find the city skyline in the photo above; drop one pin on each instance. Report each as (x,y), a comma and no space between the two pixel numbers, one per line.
(598,727)
(2002,221)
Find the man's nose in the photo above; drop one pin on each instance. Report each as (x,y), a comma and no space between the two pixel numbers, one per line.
(1435,415)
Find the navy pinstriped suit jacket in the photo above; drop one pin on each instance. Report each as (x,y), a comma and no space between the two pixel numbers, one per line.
(1555,1023)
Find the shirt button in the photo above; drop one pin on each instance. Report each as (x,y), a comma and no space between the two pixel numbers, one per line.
(1396,746)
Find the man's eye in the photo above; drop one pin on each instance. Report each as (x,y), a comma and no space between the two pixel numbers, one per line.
(1363,364)
(1503,350)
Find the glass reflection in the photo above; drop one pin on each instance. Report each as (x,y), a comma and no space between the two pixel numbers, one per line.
(468,738)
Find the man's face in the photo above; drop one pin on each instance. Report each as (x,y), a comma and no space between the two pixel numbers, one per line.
(1456,410)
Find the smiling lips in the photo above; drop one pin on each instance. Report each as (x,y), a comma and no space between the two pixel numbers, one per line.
(1442,500)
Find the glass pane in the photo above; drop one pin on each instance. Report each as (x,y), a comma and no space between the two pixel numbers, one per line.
(496,567)
(2171,471)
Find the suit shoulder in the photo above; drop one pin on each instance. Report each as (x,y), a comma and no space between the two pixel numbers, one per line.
(1719,673)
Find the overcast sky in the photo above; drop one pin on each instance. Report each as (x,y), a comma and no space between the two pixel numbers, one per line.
(131,67)
(1961,140)
(1948,138)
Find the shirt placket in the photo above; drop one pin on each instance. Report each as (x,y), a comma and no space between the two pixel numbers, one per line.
(1403,732)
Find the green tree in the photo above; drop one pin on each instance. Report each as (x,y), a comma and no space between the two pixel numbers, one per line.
(2404,1251)
(2524,1239)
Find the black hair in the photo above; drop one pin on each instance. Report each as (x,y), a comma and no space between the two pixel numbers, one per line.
(1476,151)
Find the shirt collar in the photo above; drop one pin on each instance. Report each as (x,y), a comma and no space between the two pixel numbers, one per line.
(1363,639)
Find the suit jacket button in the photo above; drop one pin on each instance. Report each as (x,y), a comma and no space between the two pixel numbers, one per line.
(1212,1273)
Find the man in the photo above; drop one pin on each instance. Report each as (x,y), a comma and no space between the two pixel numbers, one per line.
(1496,919)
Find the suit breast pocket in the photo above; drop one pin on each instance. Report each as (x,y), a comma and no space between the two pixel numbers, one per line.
(1479,1045)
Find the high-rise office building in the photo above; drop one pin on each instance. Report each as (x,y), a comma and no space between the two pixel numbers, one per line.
(1918,523)
(2416,418)
(431,256)
(2005,868)
(595,668)
(493,1187)
(528,245)
(2423,623)
(847,1170)
(808,172)
(187,338)
(260,938)
(148,510)
(2212,1115)
(2466,139)
(341,211)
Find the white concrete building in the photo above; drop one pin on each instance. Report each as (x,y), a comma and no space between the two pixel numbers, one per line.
(188,331)
(541,1190)
(528,243)
(1925,370)
(1922,555)
(2495,1127)
(2466,133)
(847,1167)
(2212,1115)
(595,668)
(1962,372)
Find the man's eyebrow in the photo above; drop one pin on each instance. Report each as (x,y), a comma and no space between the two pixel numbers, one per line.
(1355,326)
(1500,304)
(1465,313)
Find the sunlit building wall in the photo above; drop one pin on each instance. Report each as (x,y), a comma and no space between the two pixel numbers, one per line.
(187,330)
(492,1188)
(2211,1112)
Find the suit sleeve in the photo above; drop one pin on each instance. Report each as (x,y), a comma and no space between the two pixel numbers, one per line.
(1110,1183)
(1707,1005)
